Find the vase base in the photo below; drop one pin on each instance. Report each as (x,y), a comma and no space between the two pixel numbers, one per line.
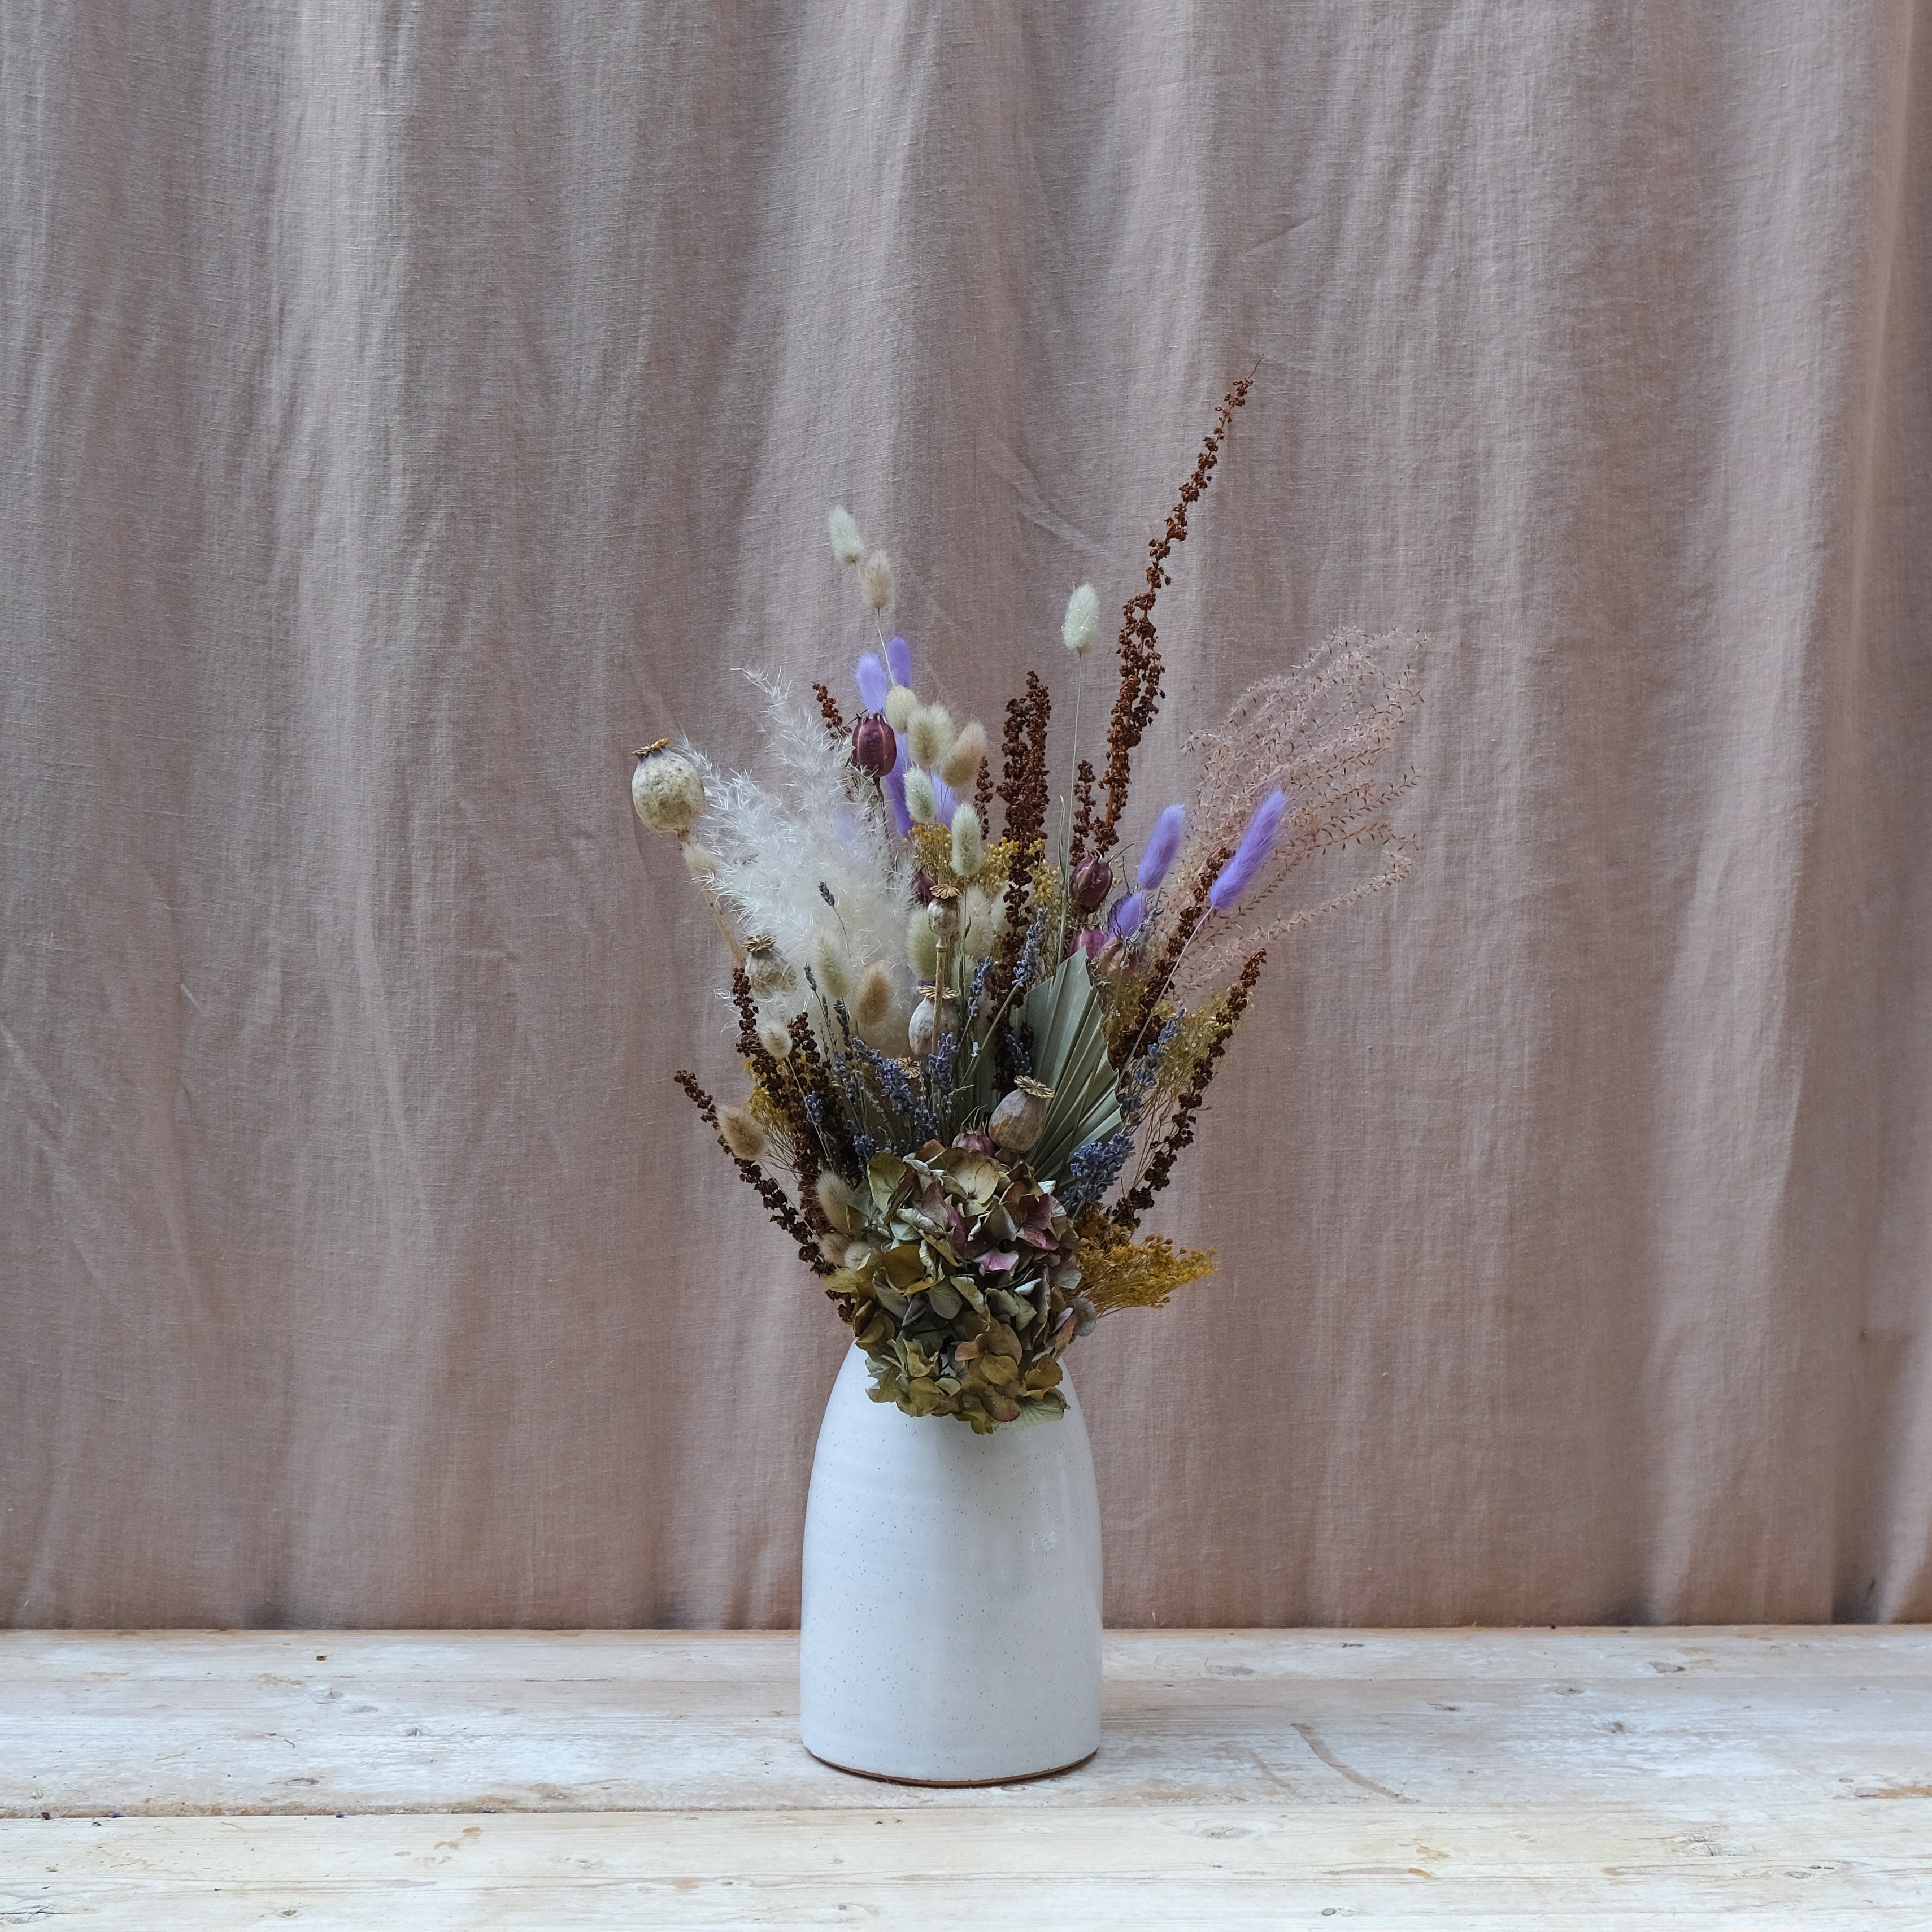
(956,1783)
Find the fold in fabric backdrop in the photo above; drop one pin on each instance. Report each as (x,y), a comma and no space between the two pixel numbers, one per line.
(409,411)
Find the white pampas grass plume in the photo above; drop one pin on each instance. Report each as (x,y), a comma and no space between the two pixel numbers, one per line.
(699,861)
(774,1038)
(969,842)
(875,995)
(875,581)
(900,706)
(1082,621)
(922,945)
(929,736)
(778,835)
(834,969)
(743,1134)
(839,1203)
(921,801)
(848,545)
(666,790)
(961,766)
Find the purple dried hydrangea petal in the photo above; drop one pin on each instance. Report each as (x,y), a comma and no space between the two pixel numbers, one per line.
(1252,854)
(873,683)
(893,786)
(1163,845)
(899,655)
(1124,921)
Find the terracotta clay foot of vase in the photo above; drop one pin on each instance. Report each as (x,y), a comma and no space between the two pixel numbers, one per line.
(951,1615)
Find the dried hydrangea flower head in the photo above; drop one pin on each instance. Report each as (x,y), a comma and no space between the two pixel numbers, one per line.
(666,789)
(1019,1119)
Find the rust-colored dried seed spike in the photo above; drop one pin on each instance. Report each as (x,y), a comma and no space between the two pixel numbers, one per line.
(777,1204)
(1139,696)
(1128,1210)
(828,709)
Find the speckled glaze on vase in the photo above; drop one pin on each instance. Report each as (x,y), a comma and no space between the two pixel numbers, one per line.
(952,1594)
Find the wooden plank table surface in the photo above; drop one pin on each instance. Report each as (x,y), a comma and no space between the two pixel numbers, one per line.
(1286,1780)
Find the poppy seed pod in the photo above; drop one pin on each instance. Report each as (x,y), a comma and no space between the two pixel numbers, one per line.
(935,1017)
(666,789)
(1093,879)
(1019,1119)
(874,746)
(943,914)
(765,967)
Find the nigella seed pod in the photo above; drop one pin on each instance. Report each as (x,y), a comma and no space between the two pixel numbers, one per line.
(874,746)
(922,887)
(1019,1119)
(765,967)
(1093,879)
(666,789)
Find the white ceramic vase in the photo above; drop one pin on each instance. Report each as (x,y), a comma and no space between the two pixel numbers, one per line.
(952,1594)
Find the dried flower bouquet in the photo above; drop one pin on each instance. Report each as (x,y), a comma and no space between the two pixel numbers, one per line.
(959,1046)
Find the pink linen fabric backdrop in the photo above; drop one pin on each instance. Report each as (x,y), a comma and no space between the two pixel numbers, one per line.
(409,410)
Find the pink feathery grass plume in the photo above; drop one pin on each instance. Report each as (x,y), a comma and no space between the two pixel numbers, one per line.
(1163,842)
(873,682)
(898,657)
(1252,854)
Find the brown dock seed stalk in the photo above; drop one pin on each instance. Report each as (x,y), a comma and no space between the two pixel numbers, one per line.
(1136,1201)
(1141,666)
(777,1203)
(828,709)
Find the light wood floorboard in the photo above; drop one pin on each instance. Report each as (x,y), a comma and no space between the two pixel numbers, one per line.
(1576,1779)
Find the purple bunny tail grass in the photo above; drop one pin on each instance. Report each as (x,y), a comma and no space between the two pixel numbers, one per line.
(1124,921)
(1252,854)
(893,785)
(1163,843)
(873,683)
(899,655)
(943,797)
